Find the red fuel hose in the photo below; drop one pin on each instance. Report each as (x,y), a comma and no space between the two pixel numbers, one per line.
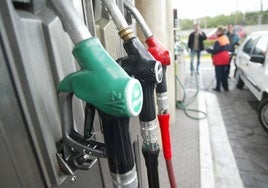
(164,127)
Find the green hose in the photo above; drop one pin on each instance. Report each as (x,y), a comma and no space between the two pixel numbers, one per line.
(184,104)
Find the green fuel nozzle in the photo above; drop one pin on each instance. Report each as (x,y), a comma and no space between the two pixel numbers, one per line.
(102,82)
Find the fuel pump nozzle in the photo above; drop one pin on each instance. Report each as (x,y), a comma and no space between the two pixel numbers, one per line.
(117,94)
(160,53)
(103,85)
(141,64)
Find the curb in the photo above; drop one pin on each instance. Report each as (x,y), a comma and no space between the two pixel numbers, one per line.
(206,163)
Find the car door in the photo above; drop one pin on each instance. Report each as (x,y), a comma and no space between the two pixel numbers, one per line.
(258,71)
(243,56)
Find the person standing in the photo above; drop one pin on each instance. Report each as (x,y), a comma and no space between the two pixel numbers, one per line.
(196,45)
(221,59)
(234,41)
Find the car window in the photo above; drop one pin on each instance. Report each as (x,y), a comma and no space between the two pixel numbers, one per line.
(250,44)
(261,46)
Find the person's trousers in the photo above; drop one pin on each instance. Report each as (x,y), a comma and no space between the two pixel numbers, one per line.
(221,77)
(229,66)
(192,56)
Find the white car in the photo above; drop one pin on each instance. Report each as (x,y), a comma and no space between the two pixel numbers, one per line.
(252,70)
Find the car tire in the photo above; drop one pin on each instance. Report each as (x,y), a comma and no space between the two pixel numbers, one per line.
(240,84)
(263,113)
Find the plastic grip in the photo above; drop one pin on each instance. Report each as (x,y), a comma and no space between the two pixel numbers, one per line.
(158,51)
(117,143)
(148,108)
(164,127)
(102,82)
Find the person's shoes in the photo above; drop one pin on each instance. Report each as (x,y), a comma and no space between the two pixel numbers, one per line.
(226,89)
(215,89)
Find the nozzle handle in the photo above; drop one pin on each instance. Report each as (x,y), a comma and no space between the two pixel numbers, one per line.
(117,142)
(147,113)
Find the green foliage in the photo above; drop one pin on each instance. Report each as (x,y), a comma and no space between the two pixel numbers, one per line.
(238,18)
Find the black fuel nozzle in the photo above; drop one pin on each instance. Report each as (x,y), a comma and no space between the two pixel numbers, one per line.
(140,64)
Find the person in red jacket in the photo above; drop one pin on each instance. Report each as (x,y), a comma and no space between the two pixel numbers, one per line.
(221,59)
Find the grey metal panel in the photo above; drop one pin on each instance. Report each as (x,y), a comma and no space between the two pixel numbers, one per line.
(59,49)
(85,179)
(46,125)
(6,163)
(19,166)
(58,44)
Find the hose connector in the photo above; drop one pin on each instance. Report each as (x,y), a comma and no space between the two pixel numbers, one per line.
(162,102)
(126,33)
(149,131)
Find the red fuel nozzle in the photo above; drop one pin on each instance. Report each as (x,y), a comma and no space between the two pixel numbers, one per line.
(158,51)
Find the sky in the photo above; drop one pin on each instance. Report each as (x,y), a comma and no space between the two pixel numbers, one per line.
(193,9)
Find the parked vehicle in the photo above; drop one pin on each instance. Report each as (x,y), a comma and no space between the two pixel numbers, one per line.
(240,31)
(252,70)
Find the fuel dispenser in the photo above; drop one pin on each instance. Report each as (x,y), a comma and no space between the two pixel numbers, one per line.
(160,53)
(104,85)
